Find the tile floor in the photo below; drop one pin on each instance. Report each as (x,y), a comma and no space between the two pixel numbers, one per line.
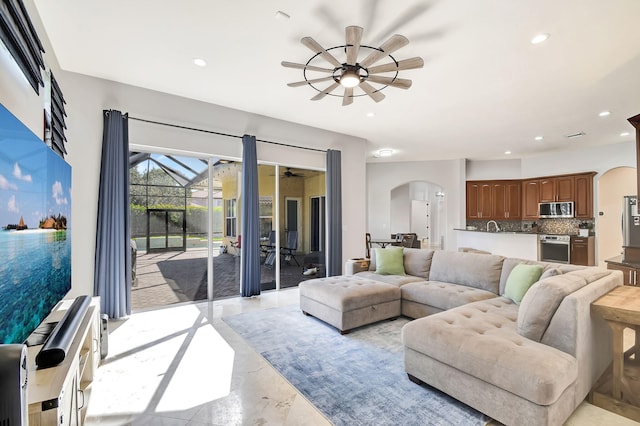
(183,365)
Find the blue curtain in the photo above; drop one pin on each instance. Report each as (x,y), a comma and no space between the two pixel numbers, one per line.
(250,228)
(112,275)
(334,213)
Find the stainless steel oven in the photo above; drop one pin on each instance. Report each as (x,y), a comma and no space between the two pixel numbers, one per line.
(554,248)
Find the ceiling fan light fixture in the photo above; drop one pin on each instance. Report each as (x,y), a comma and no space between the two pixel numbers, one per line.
(350,78)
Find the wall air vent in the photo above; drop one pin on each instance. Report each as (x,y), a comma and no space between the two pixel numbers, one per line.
(575,135)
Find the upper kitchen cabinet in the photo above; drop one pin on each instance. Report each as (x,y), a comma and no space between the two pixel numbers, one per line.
(559,188)
(506,200)
(530,198)
(583,195)
(479,200)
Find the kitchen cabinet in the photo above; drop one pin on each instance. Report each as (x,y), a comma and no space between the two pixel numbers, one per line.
(630,269)
(629,274)
(557,189)
(518,199)
(583,196)
(479,200)
(498,200)
(530,198)
(505,200)
(583,251)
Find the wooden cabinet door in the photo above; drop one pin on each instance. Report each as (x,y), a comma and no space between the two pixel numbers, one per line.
(564,188)
(583,199)
(485,200)
(579,251)
(473,200)
(498,201)
(513,203)
(530,198)
(547,190)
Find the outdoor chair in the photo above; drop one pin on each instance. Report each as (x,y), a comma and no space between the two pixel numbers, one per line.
(270,245)
(289,250)
(237,244)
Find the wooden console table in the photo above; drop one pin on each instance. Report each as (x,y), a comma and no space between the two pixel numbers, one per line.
(618,390)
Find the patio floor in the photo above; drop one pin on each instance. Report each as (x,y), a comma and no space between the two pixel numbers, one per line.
(175,277)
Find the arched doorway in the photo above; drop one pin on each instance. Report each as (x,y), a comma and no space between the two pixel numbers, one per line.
(612,186)
(418,207)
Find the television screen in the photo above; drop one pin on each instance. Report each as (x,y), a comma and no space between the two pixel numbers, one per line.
(35,239)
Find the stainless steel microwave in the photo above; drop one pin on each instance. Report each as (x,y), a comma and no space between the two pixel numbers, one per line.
(556,210)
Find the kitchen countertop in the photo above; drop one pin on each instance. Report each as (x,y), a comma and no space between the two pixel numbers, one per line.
(494,232)
(618,261)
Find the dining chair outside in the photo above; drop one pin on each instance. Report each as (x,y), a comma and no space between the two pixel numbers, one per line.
(289,251)
(367,239)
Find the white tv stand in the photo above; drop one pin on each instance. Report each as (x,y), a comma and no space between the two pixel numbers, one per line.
(59,395)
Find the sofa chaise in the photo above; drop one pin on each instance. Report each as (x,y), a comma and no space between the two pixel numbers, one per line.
(528,361)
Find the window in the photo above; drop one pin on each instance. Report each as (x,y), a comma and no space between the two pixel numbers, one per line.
(266,216)
(230,213)
(20,38)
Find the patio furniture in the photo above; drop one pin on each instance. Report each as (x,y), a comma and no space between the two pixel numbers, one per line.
(289,251)
(237,244)
(367,240)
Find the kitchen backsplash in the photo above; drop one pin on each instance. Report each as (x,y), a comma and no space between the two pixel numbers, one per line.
(544,226)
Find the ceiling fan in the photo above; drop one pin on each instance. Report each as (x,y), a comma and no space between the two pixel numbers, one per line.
(353,73)
(288,173)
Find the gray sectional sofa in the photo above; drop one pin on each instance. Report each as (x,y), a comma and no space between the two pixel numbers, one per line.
(530,363)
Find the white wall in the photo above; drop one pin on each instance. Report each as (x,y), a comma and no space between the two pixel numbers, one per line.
(383,177)
(586,159)
(493,169)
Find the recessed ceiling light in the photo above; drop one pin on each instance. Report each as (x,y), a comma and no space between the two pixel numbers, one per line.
(624,134)
(281,15)
(538,138)
(604,113)
(507,152)
(539,38)
(384,153)
(371,114)
(200,62)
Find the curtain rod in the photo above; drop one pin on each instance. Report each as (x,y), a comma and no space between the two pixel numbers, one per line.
(223,134)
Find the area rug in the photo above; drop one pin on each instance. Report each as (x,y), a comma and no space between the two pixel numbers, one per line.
(355,379)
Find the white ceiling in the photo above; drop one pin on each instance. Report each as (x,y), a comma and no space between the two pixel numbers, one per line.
(484,88)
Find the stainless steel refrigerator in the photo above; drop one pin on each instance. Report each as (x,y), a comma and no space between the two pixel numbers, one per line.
(630,222)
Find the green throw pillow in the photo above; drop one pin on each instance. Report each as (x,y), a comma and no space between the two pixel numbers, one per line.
(520,279)
(389,261)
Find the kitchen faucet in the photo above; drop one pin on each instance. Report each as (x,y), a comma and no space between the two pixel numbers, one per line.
(495,223)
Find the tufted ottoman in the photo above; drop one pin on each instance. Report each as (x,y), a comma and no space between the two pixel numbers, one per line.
(347,302)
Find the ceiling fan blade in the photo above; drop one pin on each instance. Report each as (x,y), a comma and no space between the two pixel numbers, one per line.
(371,91)
(304,67)
(406,64)
(315,47)
(325,92)
(353,36)
(401,83)
(347,99)
(315,80)
(394,43)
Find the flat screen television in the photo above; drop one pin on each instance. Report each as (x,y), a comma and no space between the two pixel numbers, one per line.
(35,238)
